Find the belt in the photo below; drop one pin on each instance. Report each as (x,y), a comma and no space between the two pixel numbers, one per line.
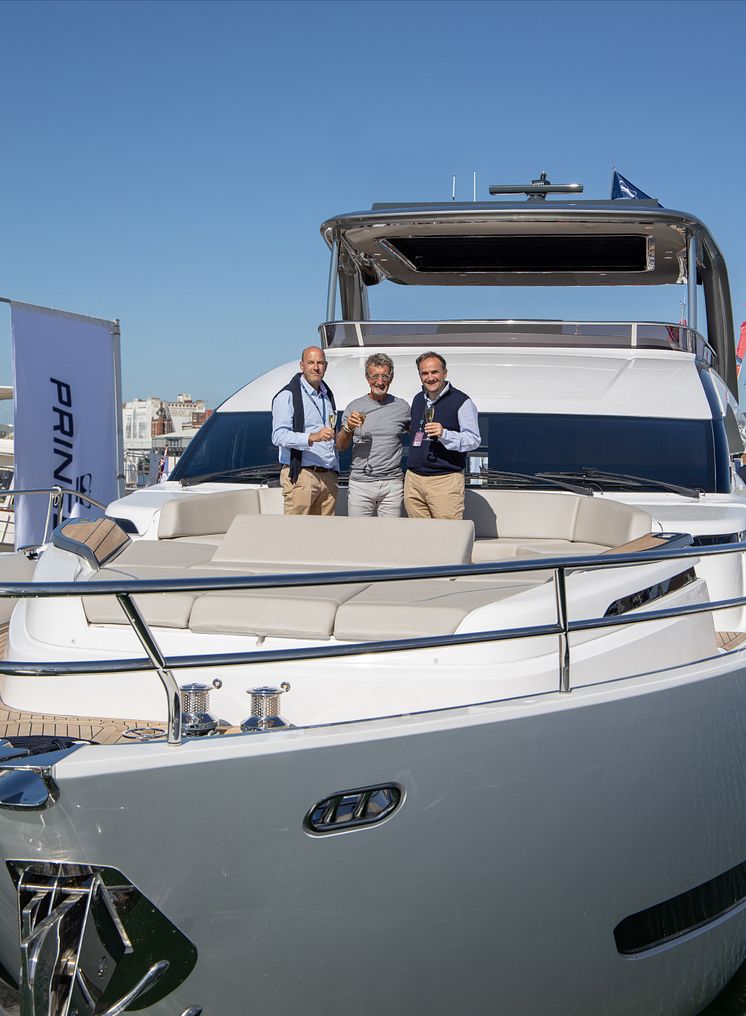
(321,469)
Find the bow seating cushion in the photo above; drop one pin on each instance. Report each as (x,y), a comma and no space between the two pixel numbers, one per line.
(257,543)
(198,515)
(150,559)
(327,543)
(393,610)
(521,523)
(306,612)
(511,525)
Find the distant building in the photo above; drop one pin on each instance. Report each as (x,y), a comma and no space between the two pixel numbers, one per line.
(154,427)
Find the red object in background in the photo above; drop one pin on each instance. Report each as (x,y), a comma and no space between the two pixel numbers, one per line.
(741,348)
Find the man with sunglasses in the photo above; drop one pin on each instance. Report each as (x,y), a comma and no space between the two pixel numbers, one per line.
(374,425)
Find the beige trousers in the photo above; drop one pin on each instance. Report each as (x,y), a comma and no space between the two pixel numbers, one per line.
(312,494)
(434,497)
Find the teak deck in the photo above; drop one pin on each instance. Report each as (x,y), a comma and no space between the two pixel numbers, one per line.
(104,730)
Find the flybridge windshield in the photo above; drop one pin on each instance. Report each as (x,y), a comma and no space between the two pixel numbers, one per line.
(547,253)
(644,335)
(692,453)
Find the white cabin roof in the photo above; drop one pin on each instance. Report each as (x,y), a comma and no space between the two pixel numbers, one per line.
(607,382)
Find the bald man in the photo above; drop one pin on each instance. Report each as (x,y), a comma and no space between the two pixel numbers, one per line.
(303,428)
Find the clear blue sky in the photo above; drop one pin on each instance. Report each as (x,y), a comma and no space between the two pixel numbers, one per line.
(169,163)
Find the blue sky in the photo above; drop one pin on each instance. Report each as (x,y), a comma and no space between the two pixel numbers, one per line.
(169,163)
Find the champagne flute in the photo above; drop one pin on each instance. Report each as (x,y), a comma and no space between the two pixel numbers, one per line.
(333,419)
(362,419)
(429,417)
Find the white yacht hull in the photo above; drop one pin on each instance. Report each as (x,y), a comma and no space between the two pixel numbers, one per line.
(528,830)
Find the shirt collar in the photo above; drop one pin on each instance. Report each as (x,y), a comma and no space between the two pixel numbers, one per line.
(446,389)
(310,390)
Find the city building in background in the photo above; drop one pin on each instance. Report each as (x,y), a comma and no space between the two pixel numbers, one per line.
(156,432)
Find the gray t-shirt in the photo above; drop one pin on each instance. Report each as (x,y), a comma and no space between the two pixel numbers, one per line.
(376,446)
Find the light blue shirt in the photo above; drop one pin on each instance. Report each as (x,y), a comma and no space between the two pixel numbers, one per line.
(316,408)
(468,438)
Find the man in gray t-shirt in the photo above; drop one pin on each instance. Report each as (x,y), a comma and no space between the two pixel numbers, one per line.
(374,425)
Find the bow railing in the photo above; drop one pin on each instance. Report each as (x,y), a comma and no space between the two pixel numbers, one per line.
(563,627)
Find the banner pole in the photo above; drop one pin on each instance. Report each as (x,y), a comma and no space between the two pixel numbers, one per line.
(117,335)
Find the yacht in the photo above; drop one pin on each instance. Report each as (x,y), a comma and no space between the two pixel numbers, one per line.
(495,763)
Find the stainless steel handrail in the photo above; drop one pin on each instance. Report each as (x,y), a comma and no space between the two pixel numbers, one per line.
(55,494)
(671,335)
(64,491)
(575,562)
(562,628)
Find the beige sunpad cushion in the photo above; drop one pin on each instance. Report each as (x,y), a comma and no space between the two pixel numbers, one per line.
(200,514)
(390,610)
(515,513)
(165,555)
(164,610)
(501,550)
(352,542)
(553,515)
(307,612)
(615,524)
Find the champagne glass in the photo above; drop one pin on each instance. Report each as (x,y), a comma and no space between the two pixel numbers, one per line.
(333,419)
(362,419)
(429,417)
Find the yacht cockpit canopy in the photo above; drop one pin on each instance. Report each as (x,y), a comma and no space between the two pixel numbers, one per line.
(511,243)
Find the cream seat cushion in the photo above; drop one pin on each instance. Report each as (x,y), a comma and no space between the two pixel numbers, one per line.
(393,610)
(164,610)
(164,554)
(325,543)
(200,514)
(306,612)
(515,513)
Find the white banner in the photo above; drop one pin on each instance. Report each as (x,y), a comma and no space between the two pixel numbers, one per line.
(67,414)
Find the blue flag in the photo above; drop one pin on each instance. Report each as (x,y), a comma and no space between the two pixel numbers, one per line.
(622,188)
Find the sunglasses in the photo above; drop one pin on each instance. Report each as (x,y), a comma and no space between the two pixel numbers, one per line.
(380,377)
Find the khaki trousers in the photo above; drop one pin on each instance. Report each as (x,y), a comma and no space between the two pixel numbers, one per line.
(434,497)
(312,494)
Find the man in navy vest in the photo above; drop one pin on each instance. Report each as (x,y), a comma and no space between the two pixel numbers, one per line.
(303,428)
(445,428)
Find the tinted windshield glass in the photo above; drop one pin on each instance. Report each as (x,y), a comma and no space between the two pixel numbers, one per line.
(228,441)
(675,451)
(232,441)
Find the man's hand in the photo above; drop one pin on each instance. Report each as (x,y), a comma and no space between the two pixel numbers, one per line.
(325,434)
(434,430)
(354,420)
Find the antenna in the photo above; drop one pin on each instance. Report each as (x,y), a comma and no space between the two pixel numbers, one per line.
(474,186)
(537,190)
(453,188)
